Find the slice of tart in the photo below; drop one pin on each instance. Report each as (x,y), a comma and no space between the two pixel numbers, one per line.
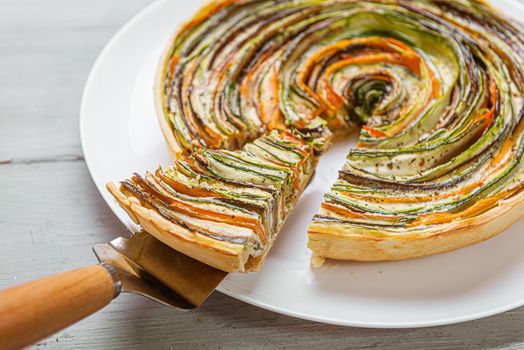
(224,208)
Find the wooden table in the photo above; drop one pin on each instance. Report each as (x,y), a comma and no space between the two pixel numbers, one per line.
(51,213)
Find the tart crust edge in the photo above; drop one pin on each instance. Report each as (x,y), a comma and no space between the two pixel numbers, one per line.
(225,256)
(342,245)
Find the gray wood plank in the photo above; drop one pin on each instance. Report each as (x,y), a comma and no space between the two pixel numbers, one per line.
(51,213)
(46,52)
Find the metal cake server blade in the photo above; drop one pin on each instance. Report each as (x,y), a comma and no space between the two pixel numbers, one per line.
(140,264)
(150,268)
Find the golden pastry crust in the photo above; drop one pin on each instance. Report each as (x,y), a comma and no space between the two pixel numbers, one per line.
(159,97)
(221,255)
(341,245)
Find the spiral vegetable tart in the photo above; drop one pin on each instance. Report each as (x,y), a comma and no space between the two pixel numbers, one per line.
(435,87)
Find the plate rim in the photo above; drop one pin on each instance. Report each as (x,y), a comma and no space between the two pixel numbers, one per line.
(230,290)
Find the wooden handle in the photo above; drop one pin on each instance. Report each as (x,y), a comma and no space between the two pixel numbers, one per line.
(35,310)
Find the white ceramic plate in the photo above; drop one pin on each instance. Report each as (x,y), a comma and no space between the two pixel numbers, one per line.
(120,136)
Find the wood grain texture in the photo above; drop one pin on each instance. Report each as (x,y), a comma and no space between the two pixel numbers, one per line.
(51,213)
(34,310)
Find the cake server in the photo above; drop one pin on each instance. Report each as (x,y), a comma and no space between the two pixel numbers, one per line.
(140,264)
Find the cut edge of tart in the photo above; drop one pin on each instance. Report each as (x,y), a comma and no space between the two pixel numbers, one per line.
(338,243)
(222,257)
